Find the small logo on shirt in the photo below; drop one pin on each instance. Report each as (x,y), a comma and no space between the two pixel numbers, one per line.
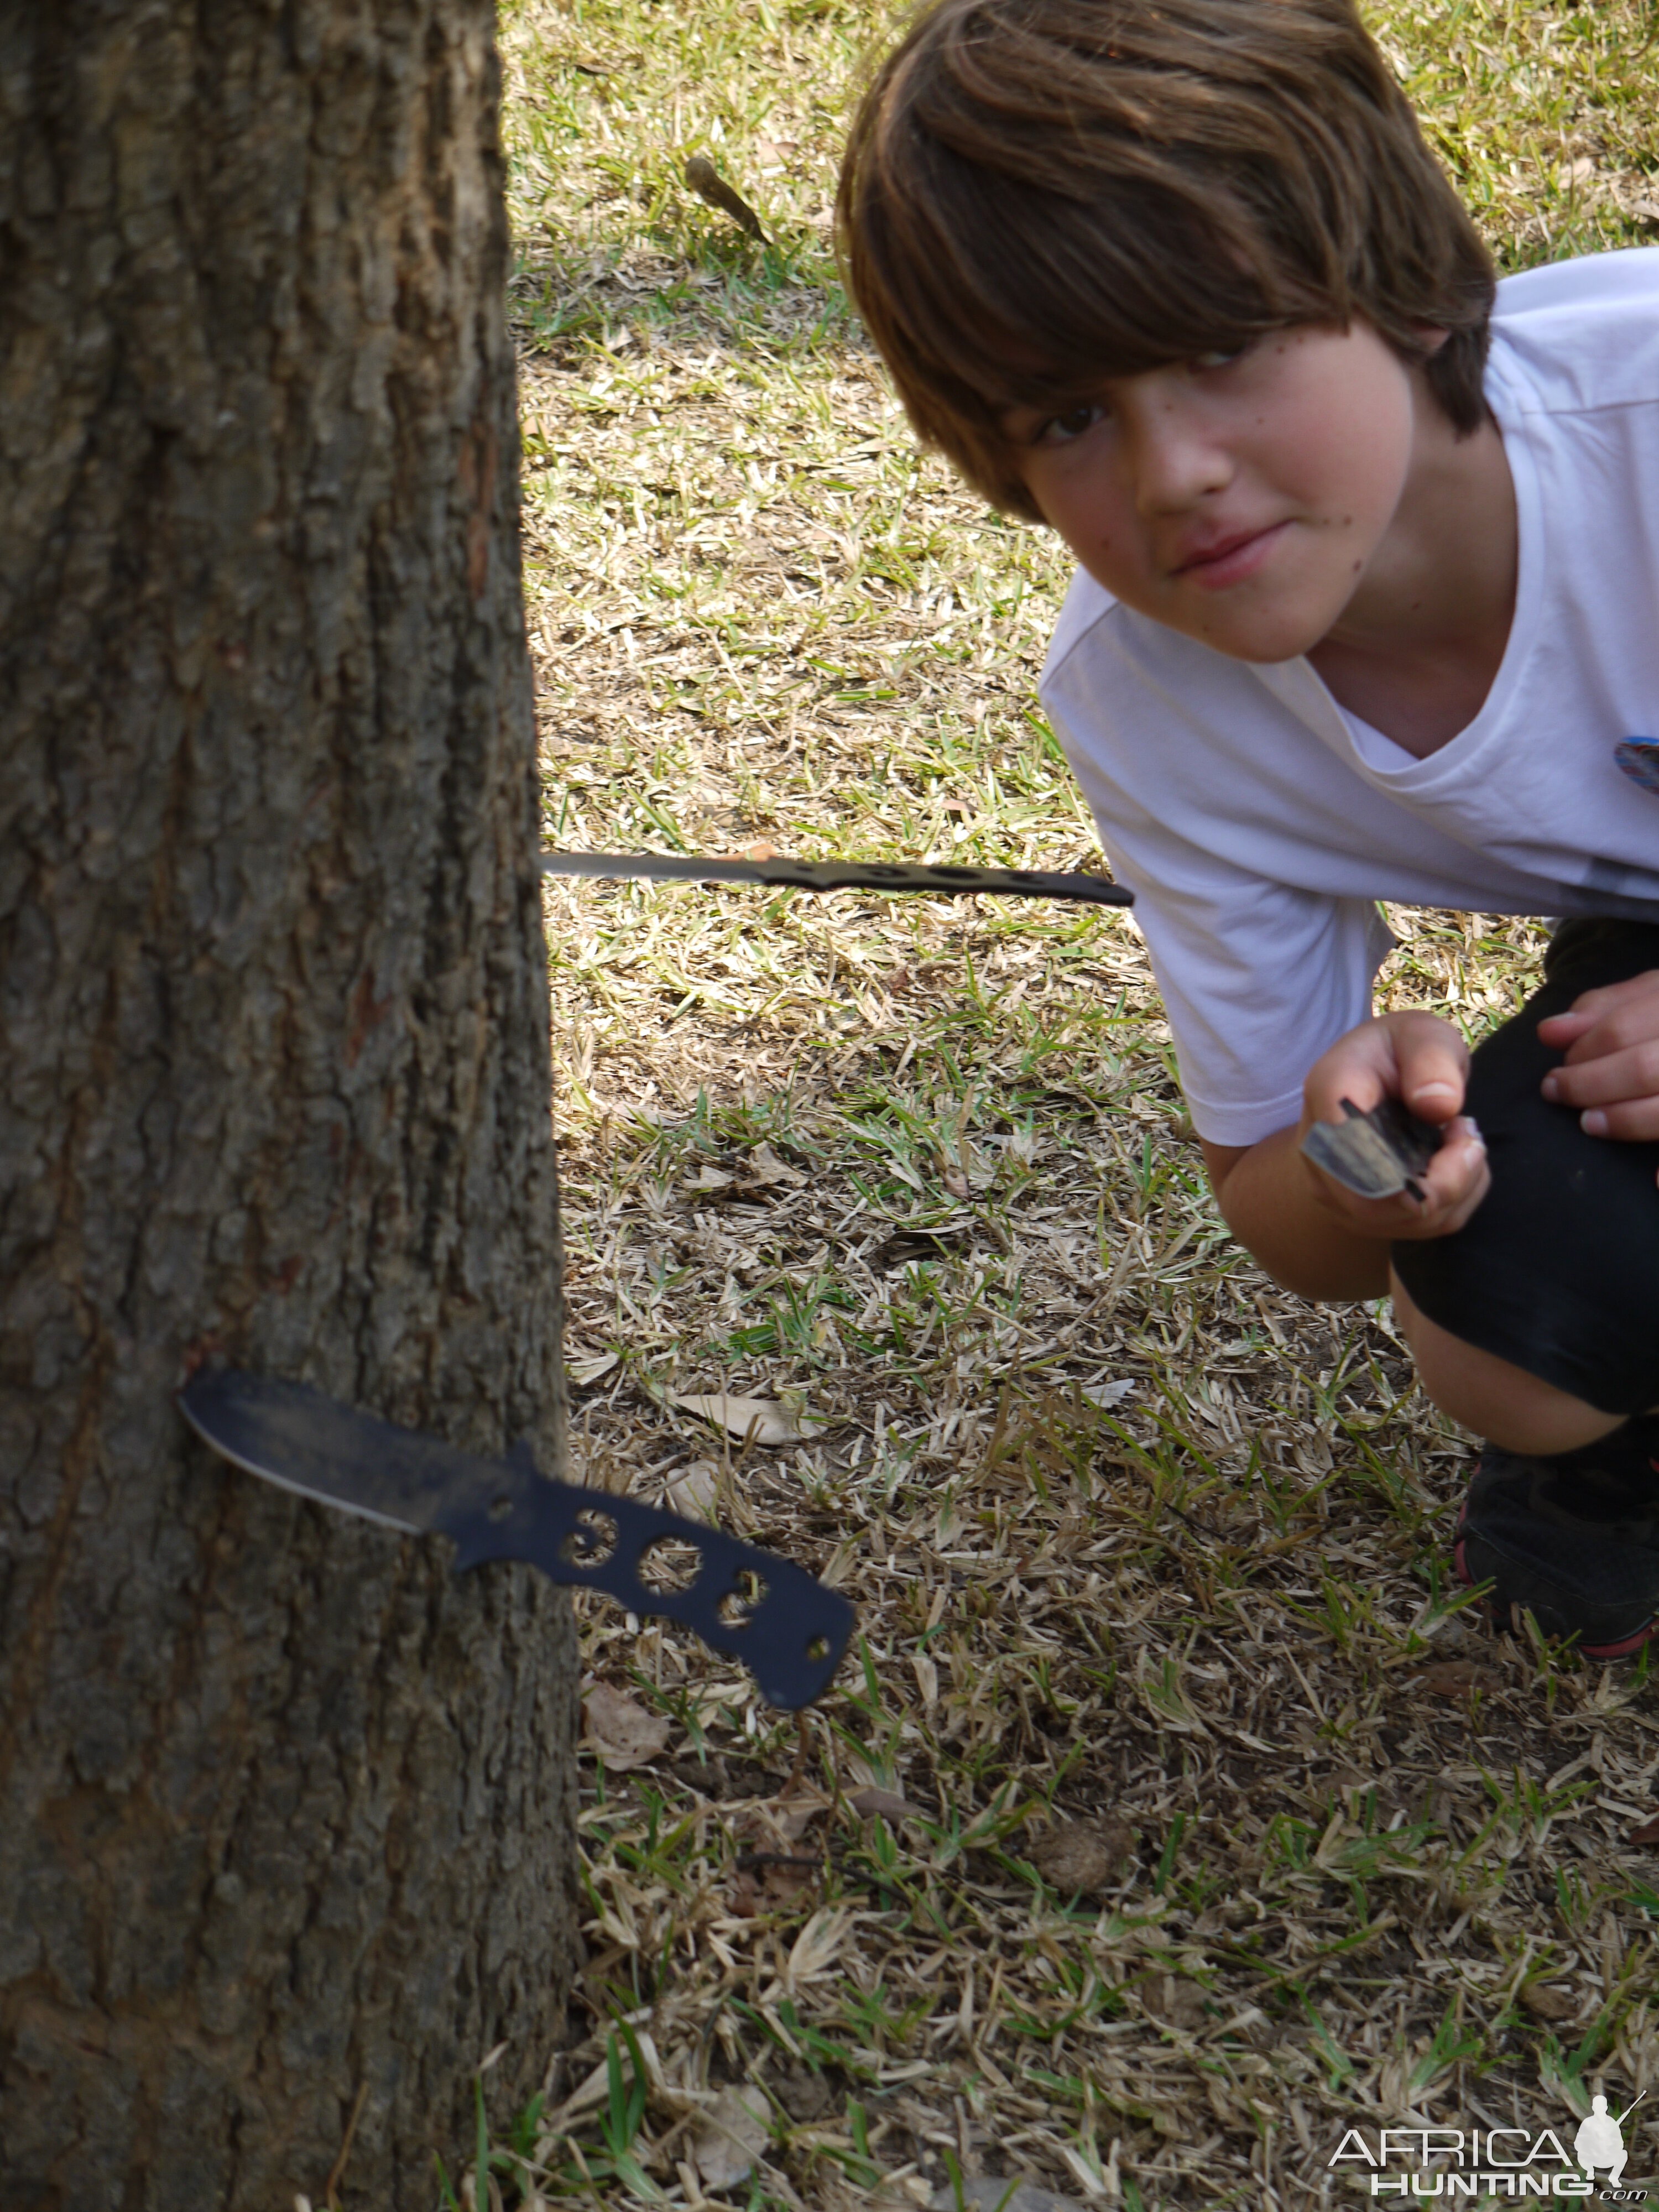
(1639,758)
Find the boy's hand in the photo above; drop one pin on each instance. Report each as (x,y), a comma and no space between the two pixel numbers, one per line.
(1424,1062)
(1611,1073)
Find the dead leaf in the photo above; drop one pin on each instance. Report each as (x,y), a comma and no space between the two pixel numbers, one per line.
(761,851)
(778,1821)
(805,2095)
(1548,2002)
(690,1492)
(1647,1833)
(620,1732)
(817,1944)
(583,1372)
(707,1178)
(866,1803)
(764,1166)
(731,2136)
(1078,1857)
(984,2192)
(1182,2004)
(1108,1394)
(1456,1678)
(956,1182)
(773,1882)
(755,1420)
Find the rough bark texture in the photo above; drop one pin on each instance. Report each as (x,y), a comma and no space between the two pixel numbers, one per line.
(285,1807)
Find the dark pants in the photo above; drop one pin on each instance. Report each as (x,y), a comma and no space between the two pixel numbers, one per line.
(1558,1271)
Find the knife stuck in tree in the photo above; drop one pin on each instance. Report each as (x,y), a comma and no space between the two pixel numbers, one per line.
(752,1605)
(936,880)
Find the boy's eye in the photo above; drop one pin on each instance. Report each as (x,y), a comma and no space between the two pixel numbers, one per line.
(1060,430)
(1218,359)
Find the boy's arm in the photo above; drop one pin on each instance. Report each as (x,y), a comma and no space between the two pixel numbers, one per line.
(1310,1233)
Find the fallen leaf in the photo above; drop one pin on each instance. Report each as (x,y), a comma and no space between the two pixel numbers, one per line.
(1077,1857)
(773,1882)
(1456,1678)
(1109,1393)
(1647,1833)
(804,2095)
(866,1803)
(817,1944)
(777,1821)
(761,851)
(690,1491)
(764,1166)
(731,2136)
(622,1732)
(1549,2003)
(1014,2193)
(582,1373)
(755,1420)
(707,1178)
(956,1182)
(1182,2003)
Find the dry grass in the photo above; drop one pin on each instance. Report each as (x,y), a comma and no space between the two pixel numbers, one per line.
(1138,1541)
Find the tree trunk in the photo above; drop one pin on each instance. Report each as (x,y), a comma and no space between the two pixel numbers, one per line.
(285,1807)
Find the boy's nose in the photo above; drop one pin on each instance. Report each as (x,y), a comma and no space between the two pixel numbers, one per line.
(1175,463)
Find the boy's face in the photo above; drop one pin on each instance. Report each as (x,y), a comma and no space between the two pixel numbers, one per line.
(1242,500)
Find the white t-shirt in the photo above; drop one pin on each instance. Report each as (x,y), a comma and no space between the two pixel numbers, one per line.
(1257,822)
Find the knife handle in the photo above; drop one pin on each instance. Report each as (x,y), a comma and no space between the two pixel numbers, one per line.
(778,1619)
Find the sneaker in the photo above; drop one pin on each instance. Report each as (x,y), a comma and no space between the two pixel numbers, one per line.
(1574,1540)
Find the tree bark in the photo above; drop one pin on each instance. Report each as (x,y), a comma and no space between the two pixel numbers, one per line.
(285,1807)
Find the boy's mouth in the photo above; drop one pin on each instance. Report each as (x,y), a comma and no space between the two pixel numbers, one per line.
(1217,562)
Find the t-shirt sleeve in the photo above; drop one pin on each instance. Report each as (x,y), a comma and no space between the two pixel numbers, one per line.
(1257,980)
(1258,977)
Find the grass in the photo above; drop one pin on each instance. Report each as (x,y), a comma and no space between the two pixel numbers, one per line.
(1142,1547)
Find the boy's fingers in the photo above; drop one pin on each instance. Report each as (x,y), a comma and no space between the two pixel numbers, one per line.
(1613,1078)
(1636,1120)
(1456,1180)
(1433,1063)
(1453,1185)
(1603,1020)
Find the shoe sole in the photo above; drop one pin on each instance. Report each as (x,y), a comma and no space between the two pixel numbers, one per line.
(1620,1649)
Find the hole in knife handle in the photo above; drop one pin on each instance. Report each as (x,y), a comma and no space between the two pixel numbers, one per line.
(592,1541)
(817,1649)
(669,1565)
(739,1605)
(500,1507)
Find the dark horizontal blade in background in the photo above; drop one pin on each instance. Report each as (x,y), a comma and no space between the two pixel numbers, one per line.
(765,1610)
(939,882)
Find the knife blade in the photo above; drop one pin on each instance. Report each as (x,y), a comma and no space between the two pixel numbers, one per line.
(941,881)
(1375,1153)
(752,1605)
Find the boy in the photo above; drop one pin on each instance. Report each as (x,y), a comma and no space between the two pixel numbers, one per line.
(1366,608)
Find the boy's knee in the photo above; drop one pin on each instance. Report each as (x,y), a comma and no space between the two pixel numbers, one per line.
(1499,1401)
(1555,1280)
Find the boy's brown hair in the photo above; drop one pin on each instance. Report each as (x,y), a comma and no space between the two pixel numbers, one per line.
(1041,194)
